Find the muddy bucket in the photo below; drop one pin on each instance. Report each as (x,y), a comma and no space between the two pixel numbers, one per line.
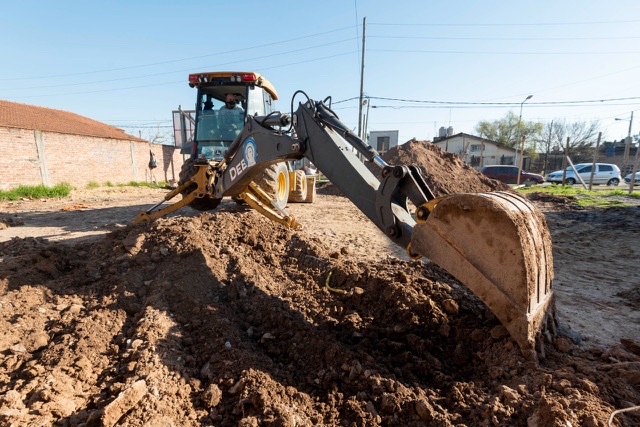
(499,246)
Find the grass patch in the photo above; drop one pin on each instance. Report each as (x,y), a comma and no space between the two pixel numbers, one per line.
(160,184)
(36,192)
(598,201)
(605,198)
(62,190)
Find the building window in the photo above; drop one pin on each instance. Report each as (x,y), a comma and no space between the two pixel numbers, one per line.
(506,160)
(383,144)
(475,147)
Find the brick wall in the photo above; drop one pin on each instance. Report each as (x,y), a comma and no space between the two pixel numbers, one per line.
(30,157)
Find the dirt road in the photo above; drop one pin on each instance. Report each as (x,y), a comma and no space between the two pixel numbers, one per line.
(228,319)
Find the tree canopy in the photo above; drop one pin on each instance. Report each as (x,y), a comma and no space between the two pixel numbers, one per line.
(509,130)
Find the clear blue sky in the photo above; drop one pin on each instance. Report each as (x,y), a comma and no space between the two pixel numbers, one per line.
(126,63)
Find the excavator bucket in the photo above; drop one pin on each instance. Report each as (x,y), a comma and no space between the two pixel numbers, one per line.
(499,246)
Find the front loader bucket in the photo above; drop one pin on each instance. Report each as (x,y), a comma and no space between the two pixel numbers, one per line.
(499,246)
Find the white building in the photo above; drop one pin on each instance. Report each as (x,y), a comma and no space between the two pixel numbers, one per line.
(476,151)
(383,140)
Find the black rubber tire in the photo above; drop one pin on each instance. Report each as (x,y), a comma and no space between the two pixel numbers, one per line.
(274,180)
(614,182)
(570,181)
(298,188)
(201,203)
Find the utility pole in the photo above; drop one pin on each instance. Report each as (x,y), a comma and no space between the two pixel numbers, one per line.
(366,121)
(625,161)
(519,131)
(364,30)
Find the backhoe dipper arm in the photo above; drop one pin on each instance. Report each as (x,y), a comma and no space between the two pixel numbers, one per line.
(384,202)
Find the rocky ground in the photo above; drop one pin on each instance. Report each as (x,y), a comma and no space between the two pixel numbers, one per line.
(227,319)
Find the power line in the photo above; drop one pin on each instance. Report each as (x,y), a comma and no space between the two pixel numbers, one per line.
(461,106)
(509,24)
(183,70)
(181,81)
(487,52)
(502,104)
(180,60)
(505,38)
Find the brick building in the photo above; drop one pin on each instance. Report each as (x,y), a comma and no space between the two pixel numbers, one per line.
(46,146)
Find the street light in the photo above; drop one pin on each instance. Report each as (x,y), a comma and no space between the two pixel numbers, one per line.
(520,139)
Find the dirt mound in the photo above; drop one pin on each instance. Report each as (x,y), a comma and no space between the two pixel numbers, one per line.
(445,173)
(178,323)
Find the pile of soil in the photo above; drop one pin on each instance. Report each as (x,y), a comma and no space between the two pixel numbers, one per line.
(445,173)
(164,324)
(228,319)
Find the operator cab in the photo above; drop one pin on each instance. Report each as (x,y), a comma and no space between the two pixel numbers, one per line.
(217,125)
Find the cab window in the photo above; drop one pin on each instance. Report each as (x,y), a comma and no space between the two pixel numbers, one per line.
(255,102)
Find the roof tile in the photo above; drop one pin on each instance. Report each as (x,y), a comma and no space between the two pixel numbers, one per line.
(23,116)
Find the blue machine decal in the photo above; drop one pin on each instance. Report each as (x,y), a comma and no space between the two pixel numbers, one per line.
(249,156)
(250,152)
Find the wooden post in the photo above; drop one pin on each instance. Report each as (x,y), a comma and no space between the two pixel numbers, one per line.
(564,161)
(595,159)
(520,160)
(633,171)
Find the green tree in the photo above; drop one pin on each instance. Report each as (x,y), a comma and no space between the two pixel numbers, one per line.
(509,130)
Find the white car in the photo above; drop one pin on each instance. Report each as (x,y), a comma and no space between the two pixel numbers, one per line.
(627,179)
(605,173)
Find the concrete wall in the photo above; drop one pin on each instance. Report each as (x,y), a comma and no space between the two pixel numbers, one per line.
(30,157)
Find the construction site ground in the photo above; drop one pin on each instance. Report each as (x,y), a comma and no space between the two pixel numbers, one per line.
(227,319)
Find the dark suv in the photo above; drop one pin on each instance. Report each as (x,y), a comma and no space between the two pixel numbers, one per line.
(509,175)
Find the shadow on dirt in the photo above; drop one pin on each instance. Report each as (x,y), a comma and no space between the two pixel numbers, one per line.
(255,325)
(234,313)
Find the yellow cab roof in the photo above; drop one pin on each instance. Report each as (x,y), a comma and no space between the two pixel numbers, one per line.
(245,76)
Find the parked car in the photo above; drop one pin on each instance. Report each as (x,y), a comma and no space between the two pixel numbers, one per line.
(605,173)
(509,175)
(627,178)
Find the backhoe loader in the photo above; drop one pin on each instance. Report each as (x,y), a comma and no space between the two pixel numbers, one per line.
(216,124)
(497,244)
